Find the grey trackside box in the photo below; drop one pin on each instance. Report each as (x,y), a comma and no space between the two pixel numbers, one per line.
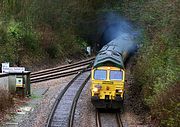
(16,82)
(19,83)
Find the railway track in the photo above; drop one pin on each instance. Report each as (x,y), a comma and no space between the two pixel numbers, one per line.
(108,119)
(60,71)
(62,114)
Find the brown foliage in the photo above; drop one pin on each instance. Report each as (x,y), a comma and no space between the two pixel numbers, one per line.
(166,107)
(6,100)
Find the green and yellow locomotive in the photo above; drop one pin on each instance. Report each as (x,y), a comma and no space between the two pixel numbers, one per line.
(108,73)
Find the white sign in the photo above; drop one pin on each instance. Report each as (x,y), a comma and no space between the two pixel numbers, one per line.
(5,67)
(89,50)
(16,69)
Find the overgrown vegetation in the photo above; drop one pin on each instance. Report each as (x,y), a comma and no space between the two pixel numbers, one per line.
(6,100)
(42,30)
(156,70)
(34,30)
(17,40)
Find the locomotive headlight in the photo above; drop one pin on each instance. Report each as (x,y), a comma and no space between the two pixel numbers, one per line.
(119,91)
(95,90)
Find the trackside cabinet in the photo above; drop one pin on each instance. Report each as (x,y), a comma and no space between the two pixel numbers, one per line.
(19,83)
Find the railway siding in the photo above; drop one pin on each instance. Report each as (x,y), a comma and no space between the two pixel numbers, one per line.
(61,71)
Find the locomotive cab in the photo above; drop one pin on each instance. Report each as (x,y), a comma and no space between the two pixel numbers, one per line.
(107,87)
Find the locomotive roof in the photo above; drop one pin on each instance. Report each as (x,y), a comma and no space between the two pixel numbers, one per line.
(109,56)
(114,52)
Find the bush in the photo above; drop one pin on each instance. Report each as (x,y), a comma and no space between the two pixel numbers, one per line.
(165,107)
(6,100)
(54,51)
(22,35)
(17,41)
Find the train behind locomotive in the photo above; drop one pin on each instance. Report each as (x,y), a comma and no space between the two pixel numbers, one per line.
(108,73)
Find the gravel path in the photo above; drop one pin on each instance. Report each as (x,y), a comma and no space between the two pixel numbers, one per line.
(134,110)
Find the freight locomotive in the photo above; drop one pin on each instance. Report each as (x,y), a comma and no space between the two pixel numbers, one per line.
(108,73)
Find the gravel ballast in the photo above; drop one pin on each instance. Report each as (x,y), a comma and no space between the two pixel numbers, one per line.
(85,113)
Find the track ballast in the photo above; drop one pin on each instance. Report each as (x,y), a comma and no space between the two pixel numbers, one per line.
(61,71)
(64,108)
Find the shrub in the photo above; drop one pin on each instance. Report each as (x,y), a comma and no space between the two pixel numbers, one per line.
(17,40)
(54,51)
(166,106)
(22,35)
(6,100)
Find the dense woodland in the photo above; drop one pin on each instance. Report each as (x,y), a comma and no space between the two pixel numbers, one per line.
(33,31)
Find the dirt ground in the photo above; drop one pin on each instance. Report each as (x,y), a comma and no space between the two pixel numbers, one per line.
(8,113)
(135,112)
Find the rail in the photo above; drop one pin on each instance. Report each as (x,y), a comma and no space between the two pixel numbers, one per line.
(61,71)
(117,116)
(74,102)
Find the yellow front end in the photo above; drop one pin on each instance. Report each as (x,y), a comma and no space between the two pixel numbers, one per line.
(107,87)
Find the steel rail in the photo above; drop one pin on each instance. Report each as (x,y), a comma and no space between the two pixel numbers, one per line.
(49,120)
(61,67)
(72,112)
(59,75)
(98,120)
(119,121)
(55,75)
